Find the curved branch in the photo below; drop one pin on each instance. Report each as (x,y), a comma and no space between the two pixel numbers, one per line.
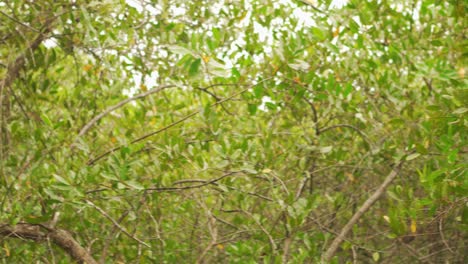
(270,237)
(92,161)
(19,22)
(117,106)
(60,237)
(326,257)
(192,186)
(364,136)
(312,6)
(13,71)
(314,111)
(15,66)
(116,224)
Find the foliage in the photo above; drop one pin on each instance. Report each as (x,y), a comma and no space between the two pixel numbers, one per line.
(279,120)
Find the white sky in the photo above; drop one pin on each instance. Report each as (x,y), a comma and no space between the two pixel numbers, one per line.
(265,34)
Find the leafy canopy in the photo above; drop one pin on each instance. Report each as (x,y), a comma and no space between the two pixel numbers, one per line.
(254,131)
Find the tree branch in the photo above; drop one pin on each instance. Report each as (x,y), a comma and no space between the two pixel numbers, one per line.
(116,224)
(60,237)
(15,66)
(19,22)
(428,83)
(326,257)
(309,3)
(92,161)
(117,106)
(314,111)
(192,186)
(13,70)
(364,136)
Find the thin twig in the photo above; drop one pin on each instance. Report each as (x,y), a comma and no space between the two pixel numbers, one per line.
(92,161)
(120,104)
(116,224)
(286,249)
(270,238)
(252,193)
(364,136)
(301,188)
(226,222)
(19,22)
(428,84)
(205,90)
(416,254)
(355,256)
(326,257)
(229,187)
(13,71)
(314,111)
(214,234)
(108,239)
(60,237)
(312,6)
(441,232)
(192,186)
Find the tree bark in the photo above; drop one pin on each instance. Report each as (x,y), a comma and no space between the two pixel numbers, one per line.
(60,237)
(326,257)
(13,70)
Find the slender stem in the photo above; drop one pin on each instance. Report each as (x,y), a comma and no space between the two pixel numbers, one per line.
(328,255)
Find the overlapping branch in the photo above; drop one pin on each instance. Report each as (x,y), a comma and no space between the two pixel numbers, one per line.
(183,119)
(40,233)
(327,256)
(117,106)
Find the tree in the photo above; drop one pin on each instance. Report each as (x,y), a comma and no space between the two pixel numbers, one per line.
(233,131)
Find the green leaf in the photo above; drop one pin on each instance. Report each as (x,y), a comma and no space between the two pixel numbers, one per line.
(194,67)
(61,179)
(33,219)
(223,164)
(258,91)
(347,90)
(252,108)
(318,33)
(376,256)
(179,50)
(299,65)
(46,120)
(326,149)
(353,26)
(413,156)
(134,185)
(249,170)
(235,73)
(460,111)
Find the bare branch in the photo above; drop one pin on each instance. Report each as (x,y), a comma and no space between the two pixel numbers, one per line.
(108,239)
(60,237)
(314,111)
(364,136)
(326,257)
(15,66)
(428,83)
(286,249)
(19,22)
(270,238)
(309,3)
(13,70)
(120,104)
(116,224)
(212,227)
(192,186)
(441,232)
(92,161)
